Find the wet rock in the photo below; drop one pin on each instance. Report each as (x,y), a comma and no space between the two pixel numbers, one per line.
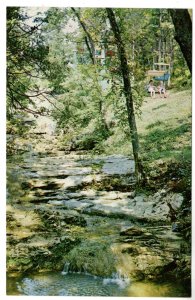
(150,263)
(48,256)
(163,192)
(131,231)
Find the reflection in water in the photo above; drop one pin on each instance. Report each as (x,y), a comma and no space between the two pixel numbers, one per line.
(74,284)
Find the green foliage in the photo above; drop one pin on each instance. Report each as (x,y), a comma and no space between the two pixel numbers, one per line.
(92,257)
(181,79)
(82,105)
(26,61)
(90,98)
(60,47)
(17,126)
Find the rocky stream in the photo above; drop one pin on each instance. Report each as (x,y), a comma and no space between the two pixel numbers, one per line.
(77,226)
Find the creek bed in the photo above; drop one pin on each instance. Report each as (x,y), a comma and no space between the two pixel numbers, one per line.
(42,194)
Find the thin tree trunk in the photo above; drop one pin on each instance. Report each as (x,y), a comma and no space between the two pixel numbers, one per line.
(88,39)
(160,41)
(183,33)
(127,91)
(91,49)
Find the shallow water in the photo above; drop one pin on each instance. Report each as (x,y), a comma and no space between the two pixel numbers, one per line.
(57,284)
(74,284)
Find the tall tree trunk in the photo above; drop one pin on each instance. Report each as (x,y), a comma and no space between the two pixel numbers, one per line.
(160,40)
(88,39)
(183,33)
(128,93)
(90,46)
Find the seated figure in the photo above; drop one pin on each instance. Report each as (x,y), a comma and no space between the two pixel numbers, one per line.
(151,89)
(162,90)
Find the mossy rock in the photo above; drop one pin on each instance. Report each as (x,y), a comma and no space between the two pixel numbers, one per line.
(93,258)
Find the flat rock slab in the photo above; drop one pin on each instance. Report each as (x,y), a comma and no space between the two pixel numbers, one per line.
(77,205)
(66,171)
(120,204)
(74,181)
(118,165)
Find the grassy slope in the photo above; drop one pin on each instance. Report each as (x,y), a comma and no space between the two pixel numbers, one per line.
(167,110)
(164,128)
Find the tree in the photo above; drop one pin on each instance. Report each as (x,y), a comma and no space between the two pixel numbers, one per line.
(26,63)
(183,33)
(88,38)
(127,92)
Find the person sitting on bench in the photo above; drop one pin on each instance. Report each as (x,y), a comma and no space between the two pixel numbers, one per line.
(151,89)
(162,90)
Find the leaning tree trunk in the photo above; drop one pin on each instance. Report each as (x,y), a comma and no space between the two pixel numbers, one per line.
(88,39)
(91,48)
(183,33)
(128,93)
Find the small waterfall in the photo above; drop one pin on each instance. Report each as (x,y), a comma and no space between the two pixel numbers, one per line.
(66,268)
(121,280)
(118,278)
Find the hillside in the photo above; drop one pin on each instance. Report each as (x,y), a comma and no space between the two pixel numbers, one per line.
(165,125)
(164,128)
(169,111)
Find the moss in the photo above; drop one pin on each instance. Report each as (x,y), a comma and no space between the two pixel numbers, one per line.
(19,264)
(93,258)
